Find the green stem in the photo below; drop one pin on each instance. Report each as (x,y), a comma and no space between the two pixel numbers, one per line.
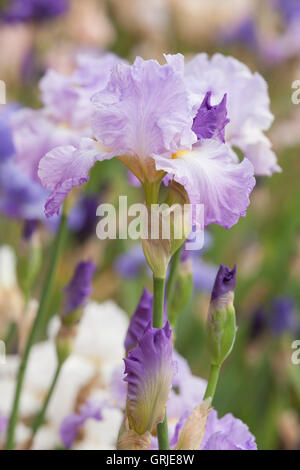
(212,381)
(57,249)
(175,261)
(163,435)
(41,415)
(151,192)
(10,336)
(158,302)
(158,322)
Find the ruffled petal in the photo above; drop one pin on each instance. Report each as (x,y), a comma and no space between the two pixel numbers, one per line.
(211,178)
(248,117)
(65,167)
(227,433)
(34,135)
(149,370)
(144,111)
(262,157)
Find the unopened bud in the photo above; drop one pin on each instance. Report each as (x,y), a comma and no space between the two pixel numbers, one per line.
(221,318)
(166,228)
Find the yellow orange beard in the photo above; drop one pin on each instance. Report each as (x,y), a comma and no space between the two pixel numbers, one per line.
(179,154)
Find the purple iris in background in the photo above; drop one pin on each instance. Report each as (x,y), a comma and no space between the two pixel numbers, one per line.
(7,148)
(280,317)
(23,11)
(244,32)
(83,219)
(80,286)
(20,196)
(283,316)
(72,423)
(290,9)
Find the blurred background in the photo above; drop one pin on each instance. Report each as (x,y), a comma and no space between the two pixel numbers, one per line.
(259,383)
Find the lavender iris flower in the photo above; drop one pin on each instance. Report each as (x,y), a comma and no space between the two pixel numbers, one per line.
(23,11)
(145,116)
(227,433)
(80,286)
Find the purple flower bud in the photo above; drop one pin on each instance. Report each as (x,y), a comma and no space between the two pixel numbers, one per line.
(79,288)
(221,321)
(149,372)
(140,320)
(224,283)
(210,121)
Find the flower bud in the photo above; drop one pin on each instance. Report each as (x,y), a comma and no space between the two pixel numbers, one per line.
(149,371)
(168,226)
(140,320)
(78,291)
(221,317)
(180,213)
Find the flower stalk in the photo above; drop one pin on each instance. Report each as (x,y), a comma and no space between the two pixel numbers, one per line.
(175,261)
(57,250)
(41,415)
(212,381)
(158,316)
